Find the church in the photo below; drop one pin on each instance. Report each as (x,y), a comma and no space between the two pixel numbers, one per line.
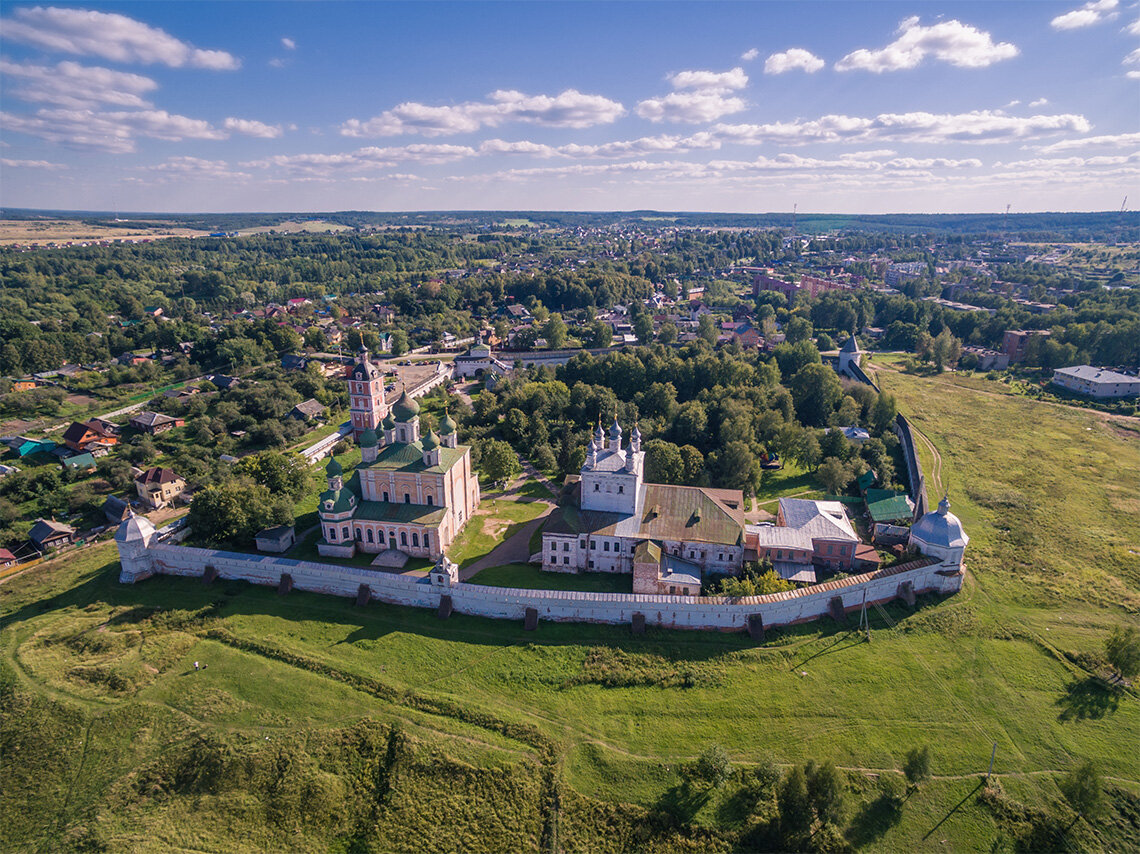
(411,493)
(683,531)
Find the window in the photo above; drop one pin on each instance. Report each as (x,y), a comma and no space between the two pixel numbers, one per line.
(565,547)
(380,536)
(672,590)
(403,538)
(554,547)
(431,501)
(597,487)
(621,489)
(593,544)
(581,544)
(359,535)
(591,564)
(332,534)
(369,532)
(385,496)
(407,498)
(566,560)
(344,533)
(403,438)
(415,539)
(606,546)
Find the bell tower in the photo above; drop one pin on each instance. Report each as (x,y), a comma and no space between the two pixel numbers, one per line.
(366,396)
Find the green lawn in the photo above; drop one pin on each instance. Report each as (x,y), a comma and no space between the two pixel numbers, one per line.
(498,519)
(784,483)
(313,711)
(531,577)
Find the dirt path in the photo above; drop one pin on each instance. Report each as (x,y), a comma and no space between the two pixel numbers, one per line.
(515,549)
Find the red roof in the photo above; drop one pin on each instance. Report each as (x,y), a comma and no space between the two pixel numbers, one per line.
(158,475)
(6,555)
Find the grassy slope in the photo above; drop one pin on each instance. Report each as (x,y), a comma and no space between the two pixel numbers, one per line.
(112,689)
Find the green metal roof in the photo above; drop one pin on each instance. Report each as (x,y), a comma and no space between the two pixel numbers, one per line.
(343,500)
(405,409)
(409,457)
(390,511)
(368,439)
(890,509)
(866,480)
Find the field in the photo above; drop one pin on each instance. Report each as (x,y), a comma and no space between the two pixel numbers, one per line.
(321,726)
(65,230)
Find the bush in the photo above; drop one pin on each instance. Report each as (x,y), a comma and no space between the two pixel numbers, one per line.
(917,765)
(712,766)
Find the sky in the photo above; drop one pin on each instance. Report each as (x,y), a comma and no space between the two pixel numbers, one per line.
(844,107)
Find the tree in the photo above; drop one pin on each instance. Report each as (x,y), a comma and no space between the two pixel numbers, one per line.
(797,329)
(883,412)
(543,458)
(793,803)
(663,462)
(816,391)
(917,765)
(643,327)
(712,766)
(399,342)
(1083,790)
(281,474)
(735,464)
(668,333)
(1123,650)
(706,329)
(498,461)
(694,463)
(945,350)
(601,334)
(554,331)
(235,510)
(834,475)
(825,792)
(823,341)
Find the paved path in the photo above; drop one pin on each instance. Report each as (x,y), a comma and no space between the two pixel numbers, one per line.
(515,549)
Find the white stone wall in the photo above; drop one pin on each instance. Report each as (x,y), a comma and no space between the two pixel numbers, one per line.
(561,605)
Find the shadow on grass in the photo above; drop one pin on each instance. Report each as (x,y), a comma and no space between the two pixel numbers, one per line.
(874,819)
(834,647)
(680,804)
(1087,698)
(955,809)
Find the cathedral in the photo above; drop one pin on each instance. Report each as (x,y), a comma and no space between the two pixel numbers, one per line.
(667,536)
(411,493)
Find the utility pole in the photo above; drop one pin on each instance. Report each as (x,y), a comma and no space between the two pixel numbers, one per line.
(993,753)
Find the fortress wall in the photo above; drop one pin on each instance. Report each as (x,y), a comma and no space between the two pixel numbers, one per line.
(684,612)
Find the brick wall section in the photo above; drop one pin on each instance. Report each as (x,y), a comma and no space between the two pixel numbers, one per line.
(686,612)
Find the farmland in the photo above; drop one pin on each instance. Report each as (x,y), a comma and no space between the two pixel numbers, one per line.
(320,726)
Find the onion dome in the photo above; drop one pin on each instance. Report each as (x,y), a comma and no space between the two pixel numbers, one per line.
(940,528)
(448,425)
(636,434)
(334,469)
(405,409)
(368,439)
(430,442)
(389,423)
(615,429)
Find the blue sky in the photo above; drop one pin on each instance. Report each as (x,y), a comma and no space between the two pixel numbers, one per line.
(915,106)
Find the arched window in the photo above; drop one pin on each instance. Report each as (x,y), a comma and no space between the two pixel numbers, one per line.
(403,538)
(402,437)
(407,498)
(621,489)
(415,539)
(385,496)
(369,535)
(431,501)
(597,487)
(359,535)
(380,536)
(344,533)
(332,534)
(427,539)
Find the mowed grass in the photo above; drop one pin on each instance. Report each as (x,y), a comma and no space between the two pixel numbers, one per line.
(531,577)
(1045,492)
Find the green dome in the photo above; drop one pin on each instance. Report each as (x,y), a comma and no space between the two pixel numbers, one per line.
(448,426)
(389,423)
(430,442)
(405,409)
(368,439)
(333,469)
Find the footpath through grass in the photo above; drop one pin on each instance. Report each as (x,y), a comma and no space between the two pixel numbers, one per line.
(322,726)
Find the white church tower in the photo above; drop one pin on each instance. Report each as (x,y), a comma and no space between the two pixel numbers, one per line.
(613,479)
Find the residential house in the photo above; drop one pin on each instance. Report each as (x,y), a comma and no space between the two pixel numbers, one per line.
(158,487)
(155,422)
(1015,341)
(7,558)
(89,436)
(293,362)
(116,509)
(306,410)
(49,534)
(80,462)
(807,535)
(1096,382)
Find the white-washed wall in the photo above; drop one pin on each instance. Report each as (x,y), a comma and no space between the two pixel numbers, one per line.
(558,605)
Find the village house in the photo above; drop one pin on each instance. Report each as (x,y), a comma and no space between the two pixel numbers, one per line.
(158,487)
(50,534)
(306,410)
(91,436)
(155,423)
(7,558)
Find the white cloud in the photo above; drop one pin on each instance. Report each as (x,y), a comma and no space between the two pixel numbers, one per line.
(70,84)
(110,36)
(718,80)
(1132,58)
(1133,29)
(750,54)
(370,157)
(791,60)
(116,132)
(1091,13)
(1117,140)
(1040,102)
(194,167)
(569,109)
(32,164)
(250,127)
(700,96)
(288,44)
(980,126)
(947,41)
(692,107)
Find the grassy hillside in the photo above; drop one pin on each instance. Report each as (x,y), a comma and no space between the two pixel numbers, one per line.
(321,726)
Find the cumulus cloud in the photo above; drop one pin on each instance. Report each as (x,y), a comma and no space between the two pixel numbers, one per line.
(698,96)
(110,36)
(1133,29)
(750,54)
(719,80)
(288,44)
(32,164)
(791,60)
(692,107)
(980,126)
(250,127)
(70,84)
(1091,13)
(194,167)
(959,44)
(1040,102)
(569,109)
(370,157)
